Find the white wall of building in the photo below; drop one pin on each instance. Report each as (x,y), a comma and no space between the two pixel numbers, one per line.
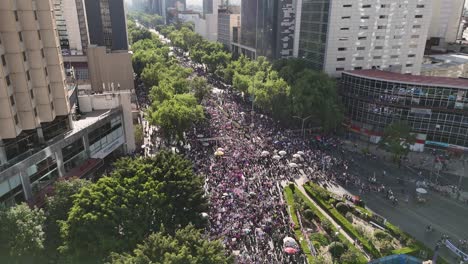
(382,34)
(73,27)
(445,20)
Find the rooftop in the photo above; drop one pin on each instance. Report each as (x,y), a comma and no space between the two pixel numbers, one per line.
(444,60)
(414,79)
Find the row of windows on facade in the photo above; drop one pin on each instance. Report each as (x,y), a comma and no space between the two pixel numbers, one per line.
(375,57)
(17,18)
(412,46)
(382,6)
(380,17)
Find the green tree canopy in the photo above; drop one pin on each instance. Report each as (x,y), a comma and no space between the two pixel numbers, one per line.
(22,236)
(186,246)
(200,88)
(397,139)
(141,195)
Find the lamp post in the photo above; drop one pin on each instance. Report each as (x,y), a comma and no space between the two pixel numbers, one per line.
(303,122)
(334,248)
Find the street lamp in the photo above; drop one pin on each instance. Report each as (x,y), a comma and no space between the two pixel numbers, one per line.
(335,238)
(303,122)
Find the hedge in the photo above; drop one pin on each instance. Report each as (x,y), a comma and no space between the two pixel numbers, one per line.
(321,217)
(344,223)
(289,197)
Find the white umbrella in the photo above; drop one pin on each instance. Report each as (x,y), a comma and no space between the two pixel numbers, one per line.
(199,136)
(276,157)
(282,152)
(301,153)
(219,153)
(143,146)
(204,215)
(293,165)
(296,156)
(421,190)
(265,153)
(205,144)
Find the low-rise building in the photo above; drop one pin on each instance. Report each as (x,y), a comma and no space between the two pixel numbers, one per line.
(446,65)
(434,107)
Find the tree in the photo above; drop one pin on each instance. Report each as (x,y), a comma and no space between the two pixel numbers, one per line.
(397,139)
(57,208)
(22,236)
(186,246)
(177,115)
(141,195)
(139,135)
(200,88)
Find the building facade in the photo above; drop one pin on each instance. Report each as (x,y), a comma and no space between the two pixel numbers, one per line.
(228,21)
(107,23)
(434,107)
(445,23)
(72,26)
(453,65)
(34,104)
(336,36)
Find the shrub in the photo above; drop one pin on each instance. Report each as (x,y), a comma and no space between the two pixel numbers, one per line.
(336,249)
(350,257)
(342,208)
(349,217)
(327,225)
(319,238)
(382,236)
(309,214)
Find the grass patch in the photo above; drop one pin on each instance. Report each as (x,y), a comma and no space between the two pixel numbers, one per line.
(321,218)
(344,223)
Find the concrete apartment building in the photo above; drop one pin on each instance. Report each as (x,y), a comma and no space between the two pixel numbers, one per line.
(228,25)
(40,139)
(342,35)
(70,16)
(445,23)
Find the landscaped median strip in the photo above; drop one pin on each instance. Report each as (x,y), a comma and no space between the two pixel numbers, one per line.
(347,226)
(290,200)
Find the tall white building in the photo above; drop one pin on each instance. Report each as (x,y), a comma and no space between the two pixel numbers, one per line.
(340,35)
(445,23)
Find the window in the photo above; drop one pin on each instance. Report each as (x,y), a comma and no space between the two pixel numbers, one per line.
(413,46)
(12,100)
(363,27)
(409,65)
(383,16)
(24,56)
(384,6)
(377,57)
(411,55)
(359,58)
(16,119)
(358,68)
(362,38)
(416,26)
(366,6)
(346,17)
(35,112)
(48,88)
(46,72)
(341,49)
(340,59)
(379,37)
(31,93)
(418,16)
(39,34)
(364,17)
(381,27)
(339,69)
(419,6)
(3,60)
(378,47)
(52,106)
(394,57)
(361,48)
(397,37)
(42,53)
(27,75)
(20,36)
(399,27)
(343,38)
(347,5)
(35,14)
(396,46)
(414,36)
(345,28)
(7,79)
(16,15)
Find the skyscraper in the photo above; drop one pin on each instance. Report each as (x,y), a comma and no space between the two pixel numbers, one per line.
(336,36)
(34,101)
(107,23)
